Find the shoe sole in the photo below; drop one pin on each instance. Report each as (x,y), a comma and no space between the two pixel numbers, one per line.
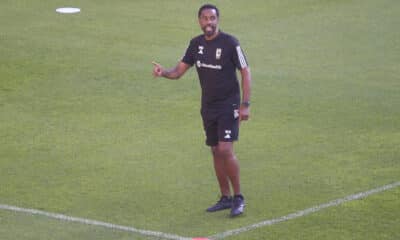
(220,209)
(235,215)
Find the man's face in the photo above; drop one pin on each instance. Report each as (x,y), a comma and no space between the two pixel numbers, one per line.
(208,21)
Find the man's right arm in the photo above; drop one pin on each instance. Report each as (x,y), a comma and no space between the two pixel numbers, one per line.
(173,73)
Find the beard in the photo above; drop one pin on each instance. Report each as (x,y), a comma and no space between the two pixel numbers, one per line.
(209,30)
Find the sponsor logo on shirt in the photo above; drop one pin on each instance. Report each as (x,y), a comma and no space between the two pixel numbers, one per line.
(205,65)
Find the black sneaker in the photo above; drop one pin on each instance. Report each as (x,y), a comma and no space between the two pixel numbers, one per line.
(223,203)
(237,205)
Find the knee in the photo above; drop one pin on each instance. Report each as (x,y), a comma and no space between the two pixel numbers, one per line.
(224,150)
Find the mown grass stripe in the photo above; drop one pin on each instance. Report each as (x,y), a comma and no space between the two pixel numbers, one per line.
(305,212)
(66,218)
(222,235)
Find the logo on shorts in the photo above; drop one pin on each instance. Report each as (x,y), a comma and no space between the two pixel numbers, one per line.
(236,113)
(228,134)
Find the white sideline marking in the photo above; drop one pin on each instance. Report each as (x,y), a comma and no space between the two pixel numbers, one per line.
(222,235)
(304,212)
(66,218)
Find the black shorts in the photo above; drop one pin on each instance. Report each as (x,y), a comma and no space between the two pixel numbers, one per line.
(221,123)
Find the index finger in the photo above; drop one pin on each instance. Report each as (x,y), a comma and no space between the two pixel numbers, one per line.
(155,63)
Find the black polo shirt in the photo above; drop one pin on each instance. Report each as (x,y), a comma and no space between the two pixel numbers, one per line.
(216,62)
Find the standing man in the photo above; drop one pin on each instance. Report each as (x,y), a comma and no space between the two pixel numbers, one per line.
(216,56)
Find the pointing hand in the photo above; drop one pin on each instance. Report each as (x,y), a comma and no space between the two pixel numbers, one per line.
(157,70)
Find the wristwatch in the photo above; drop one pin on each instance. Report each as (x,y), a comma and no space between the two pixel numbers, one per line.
(246,103)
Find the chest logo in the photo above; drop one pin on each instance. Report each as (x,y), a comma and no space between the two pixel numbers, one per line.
(201,48)
(218,53)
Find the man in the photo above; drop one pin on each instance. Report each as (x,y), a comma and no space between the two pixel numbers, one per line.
(216,56)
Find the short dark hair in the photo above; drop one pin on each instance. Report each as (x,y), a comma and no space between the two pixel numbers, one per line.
(208,6)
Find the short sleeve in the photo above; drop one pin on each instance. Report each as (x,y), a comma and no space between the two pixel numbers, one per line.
(188,57)
(239,57)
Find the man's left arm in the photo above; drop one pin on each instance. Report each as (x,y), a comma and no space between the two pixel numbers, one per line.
(246,93)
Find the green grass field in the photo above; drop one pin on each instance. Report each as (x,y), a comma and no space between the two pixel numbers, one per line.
(86,131)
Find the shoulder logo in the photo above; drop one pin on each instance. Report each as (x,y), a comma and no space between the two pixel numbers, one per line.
(218,53)
(201,48)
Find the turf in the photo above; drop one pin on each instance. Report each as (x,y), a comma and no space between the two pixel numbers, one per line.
(86,131)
